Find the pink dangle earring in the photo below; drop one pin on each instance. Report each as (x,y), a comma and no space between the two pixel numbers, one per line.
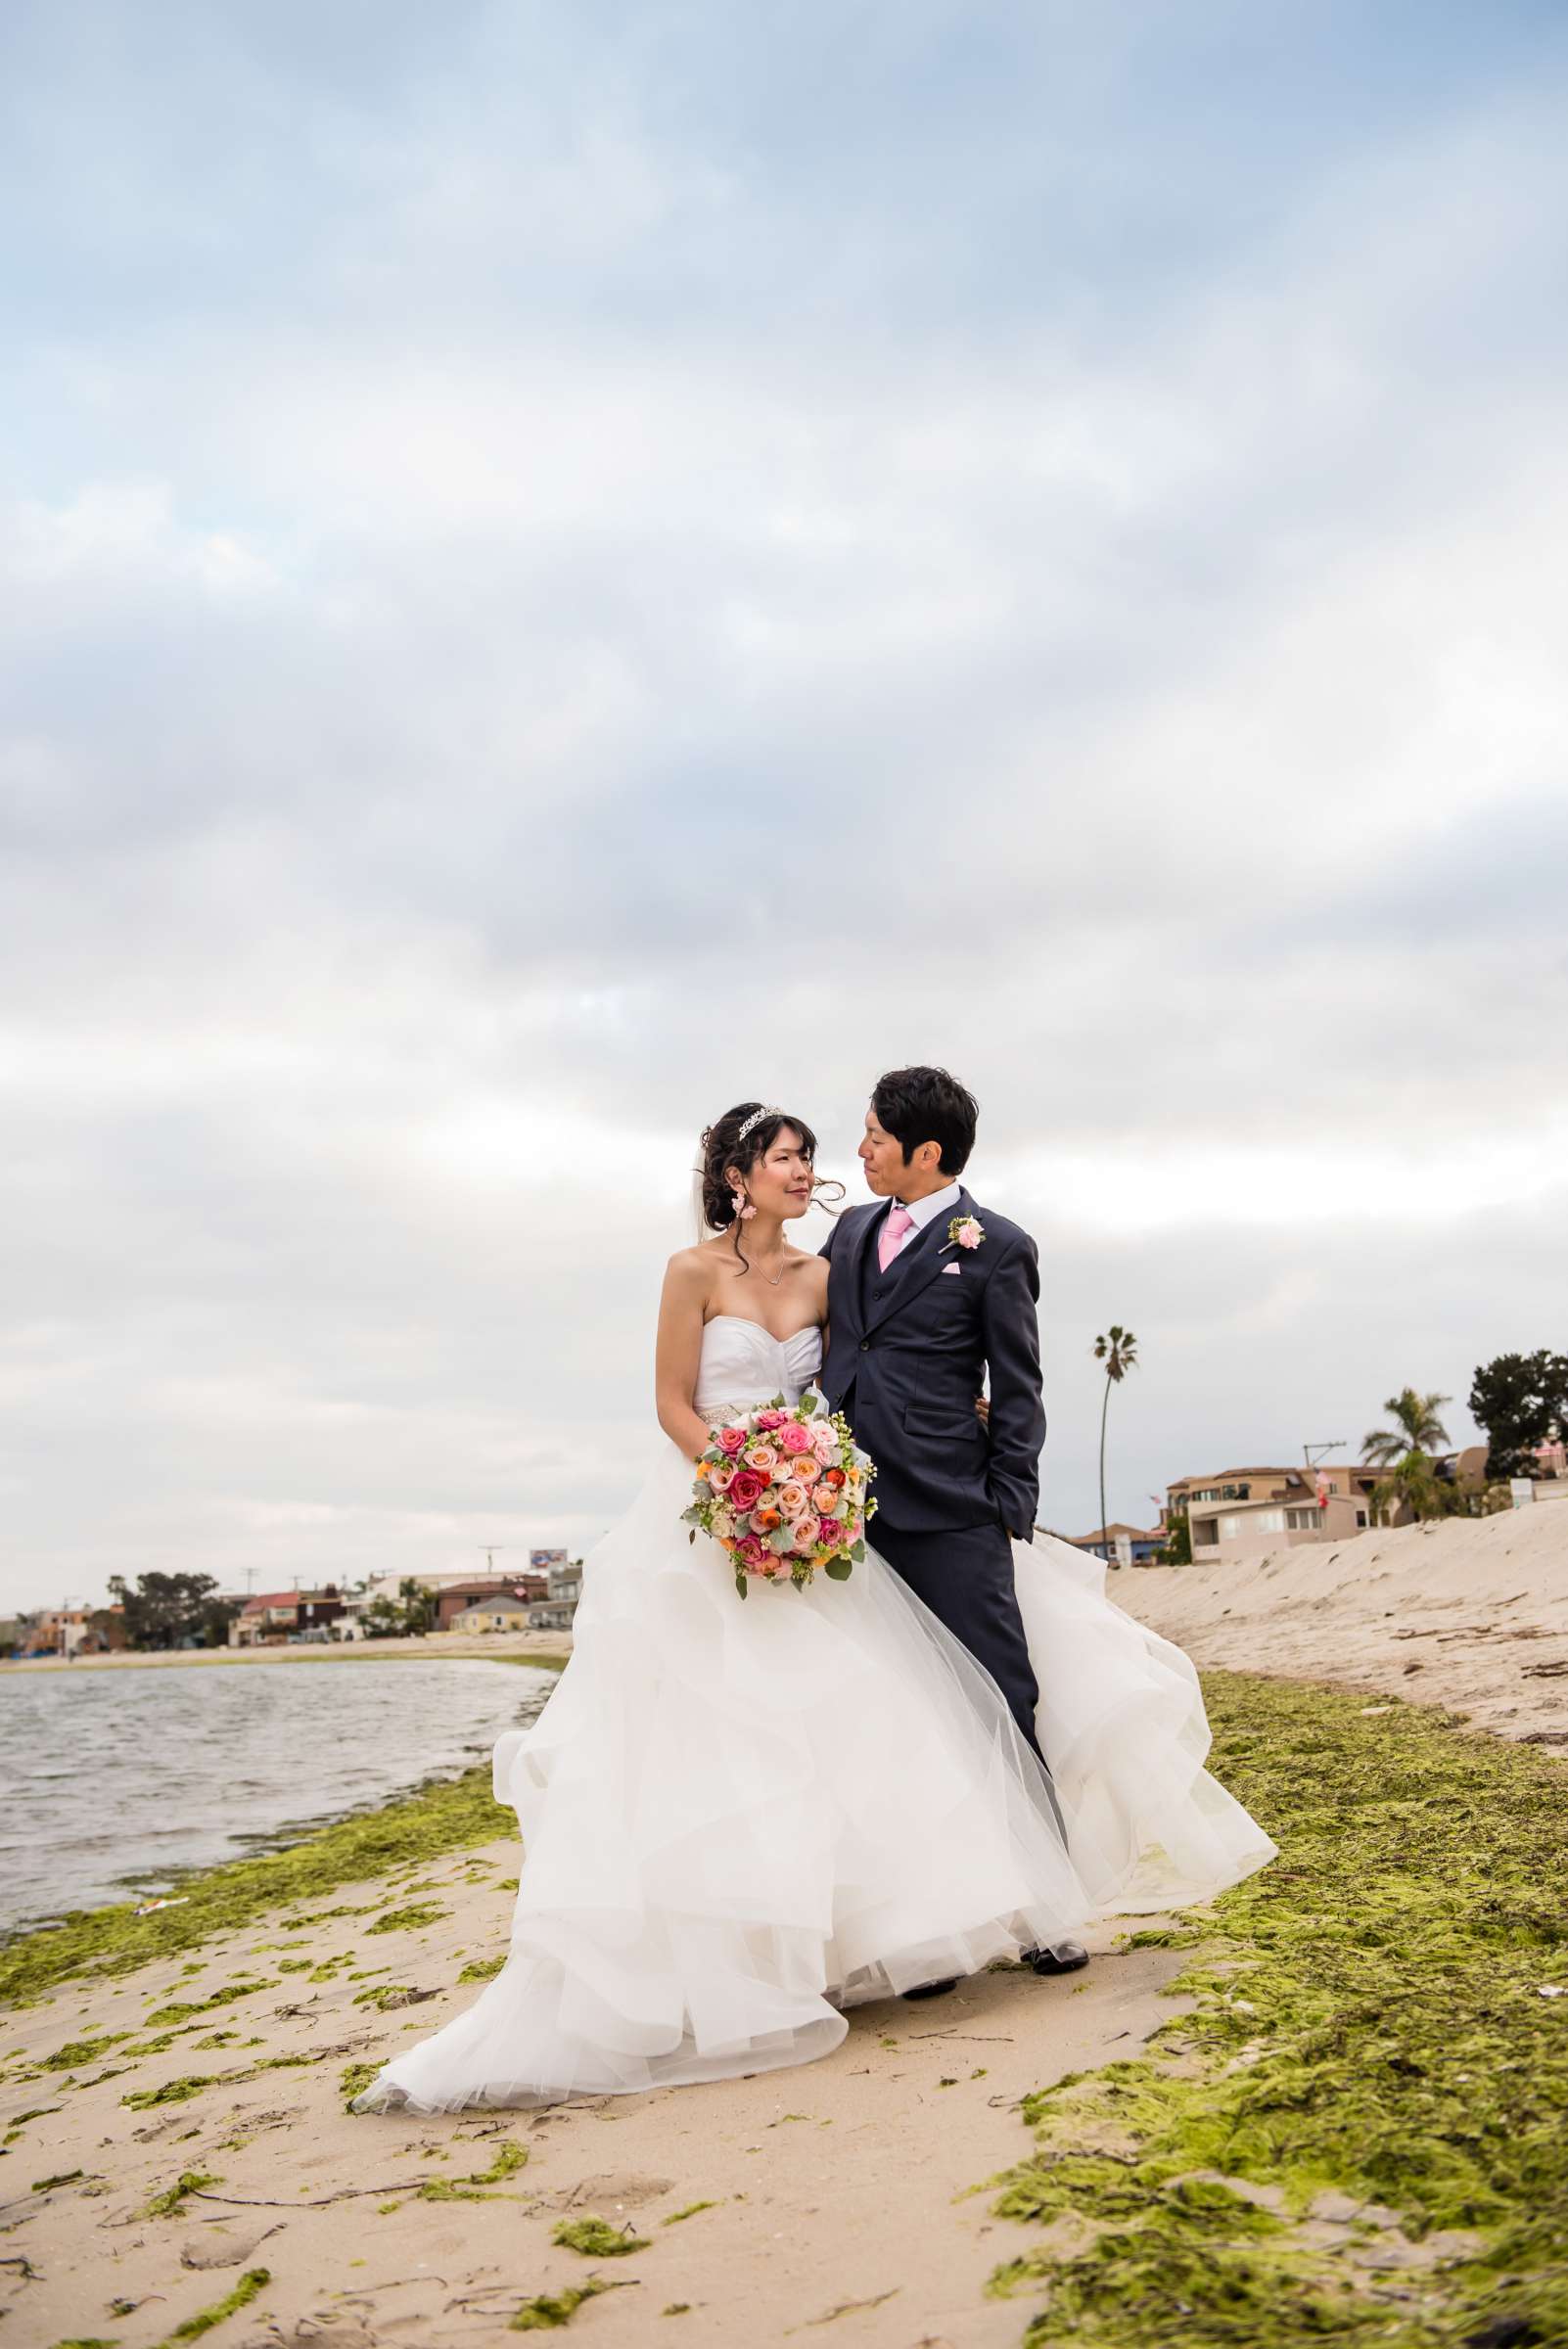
(744,1210)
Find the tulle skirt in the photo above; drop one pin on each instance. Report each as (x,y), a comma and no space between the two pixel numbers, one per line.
(741,1817)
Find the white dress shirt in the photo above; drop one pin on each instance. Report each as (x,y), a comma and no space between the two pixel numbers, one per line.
(926,1211)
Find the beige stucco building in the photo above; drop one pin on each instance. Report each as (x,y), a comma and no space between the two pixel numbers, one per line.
(1247,1509)
(1242,1509)
(501,1611)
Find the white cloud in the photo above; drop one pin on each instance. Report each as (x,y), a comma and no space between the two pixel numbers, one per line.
(531,617)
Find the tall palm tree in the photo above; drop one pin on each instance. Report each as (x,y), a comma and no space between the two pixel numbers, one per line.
(1117,1349)
(1404,1451)
(1417,1428)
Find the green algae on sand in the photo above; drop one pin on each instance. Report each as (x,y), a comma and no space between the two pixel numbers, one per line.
(1361,2133)
(253,2281)
(449,1816)
(596,2238)
(509,2159)
(482,1969)
(171,2200)
(690,2212)
(408,1918)
(550,2310)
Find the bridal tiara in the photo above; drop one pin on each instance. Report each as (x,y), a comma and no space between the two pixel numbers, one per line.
(756,1119)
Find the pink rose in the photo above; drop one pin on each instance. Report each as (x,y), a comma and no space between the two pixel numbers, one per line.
(721,1479)
(751,1551)
(825,1443)
(797,1439)
(732,1440)
(969,1234)
(747,1489)
(832,1532)
(791,1498)
(806,1533)
(763,1457)
(769,1419)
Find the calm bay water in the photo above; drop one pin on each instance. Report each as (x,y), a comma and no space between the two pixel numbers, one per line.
(115,1780)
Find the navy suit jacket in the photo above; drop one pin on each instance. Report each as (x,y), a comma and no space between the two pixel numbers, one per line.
(907,1352)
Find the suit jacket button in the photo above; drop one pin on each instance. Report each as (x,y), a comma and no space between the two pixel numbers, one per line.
(866,1345)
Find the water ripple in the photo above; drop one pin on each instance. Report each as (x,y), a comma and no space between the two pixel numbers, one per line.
(140,1773)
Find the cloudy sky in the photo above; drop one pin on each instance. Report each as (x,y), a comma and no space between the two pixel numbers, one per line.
(564,566)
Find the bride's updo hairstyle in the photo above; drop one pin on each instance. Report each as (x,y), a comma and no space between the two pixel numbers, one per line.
(722,1149)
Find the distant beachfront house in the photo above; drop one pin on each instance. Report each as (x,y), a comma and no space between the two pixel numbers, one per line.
(554,1612)
(1240,1510)
(65,1631)
(502,1611)
(1243,1509)
(269,1618)
(1132,1545)
(458,1599)
(447,1581)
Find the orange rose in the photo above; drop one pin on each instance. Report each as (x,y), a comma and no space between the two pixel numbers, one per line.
(764,1520)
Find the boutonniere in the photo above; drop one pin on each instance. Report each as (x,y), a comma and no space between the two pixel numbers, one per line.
(965,1232)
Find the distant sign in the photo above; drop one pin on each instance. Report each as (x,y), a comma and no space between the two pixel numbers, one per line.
(547,1561)
(1522,1491)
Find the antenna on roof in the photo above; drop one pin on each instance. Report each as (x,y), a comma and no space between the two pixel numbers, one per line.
(1307,1451)
(489,1548)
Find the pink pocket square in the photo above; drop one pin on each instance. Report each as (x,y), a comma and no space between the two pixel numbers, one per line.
(952,1267)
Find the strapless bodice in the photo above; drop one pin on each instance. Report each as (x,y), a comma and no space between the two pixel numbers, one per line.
(743,1364)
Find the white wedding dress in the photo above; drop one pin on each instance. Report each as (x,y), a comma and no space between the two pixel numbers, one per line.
(741,1817)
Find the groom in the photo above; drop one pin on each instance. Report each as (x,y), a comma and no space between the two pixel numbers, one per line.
(924,1292)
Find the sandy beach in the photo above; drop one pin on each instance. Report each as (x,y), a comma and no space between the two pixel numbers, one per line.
(1468,1613)
(177,2130)
(843,2186)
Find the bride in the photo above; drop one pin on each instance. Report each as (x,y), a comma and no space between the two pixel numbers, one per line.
(740,1820)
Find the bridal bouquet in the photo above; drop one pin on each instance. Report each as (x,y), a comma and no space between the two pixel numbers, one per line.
(785,1491)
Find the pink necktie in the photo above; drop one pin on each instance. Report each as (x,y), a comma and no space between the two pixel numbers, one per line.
(900,1221)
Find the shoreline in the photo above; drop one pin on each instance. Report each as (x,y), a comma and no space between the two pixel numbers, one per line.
(1469,1614)
(414,1818)
(503,1647)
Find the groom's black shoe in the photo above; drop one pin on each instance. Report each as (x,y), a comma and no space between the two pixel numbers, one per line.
(1062,1958)
(931,1990)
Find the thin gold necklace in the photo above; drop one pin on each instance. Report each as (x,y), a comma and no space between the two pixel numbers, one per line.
(783,1268)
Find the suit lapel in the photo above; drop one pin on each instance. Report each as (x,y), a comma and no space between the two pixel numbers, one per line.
(918,1265)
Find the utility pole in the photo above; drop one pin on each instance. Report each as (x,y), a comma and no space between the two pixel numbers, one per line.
(1324,1487)
(1320,1449)
(489,1548)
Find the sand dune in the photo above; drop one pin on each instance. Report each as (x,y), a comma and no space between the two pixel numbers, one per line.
(1470,1613)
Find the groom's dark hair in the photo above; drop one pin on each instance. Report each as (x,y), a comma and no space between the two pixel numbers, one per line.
(927,1105)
